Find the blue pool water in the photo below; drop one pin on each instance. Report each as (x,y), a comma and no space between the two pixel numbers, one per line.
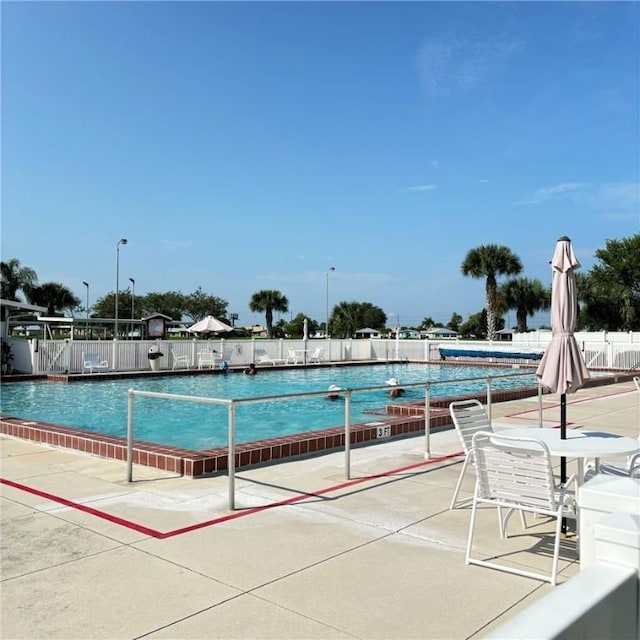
(102,406)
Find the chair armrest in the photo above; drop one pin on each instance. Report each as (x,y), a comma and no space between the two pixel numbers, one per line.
(634,466)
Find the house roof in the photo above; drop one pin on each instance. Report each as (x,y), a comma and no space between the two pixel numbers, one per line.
(158,315)
(22,305)
(367,330)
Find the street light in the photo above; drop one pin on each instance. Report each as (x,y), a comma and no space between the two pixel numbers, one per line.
(133,302)
(329,270)
(121,241)
(86,328)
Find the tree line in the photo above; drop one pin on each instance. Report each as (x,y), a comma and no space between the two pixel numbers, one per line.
(609,297)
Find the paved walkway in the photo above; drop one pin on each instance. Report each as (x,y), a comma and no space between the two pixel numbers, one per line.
(305,554)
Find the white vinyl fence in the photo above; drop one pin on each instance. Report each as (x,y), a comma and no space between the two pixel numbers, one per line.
(600,350)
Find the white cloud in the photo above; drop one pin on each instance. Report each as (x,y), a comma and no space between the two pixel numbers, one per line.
(176,245)
(562,190)
(623,194)
(421,187)
(611,200)
(453,62)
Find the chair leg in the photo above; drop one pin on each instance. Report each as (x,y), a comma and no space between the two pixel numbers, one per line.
(556,549)
(504,523)
(454,502)
(472,526)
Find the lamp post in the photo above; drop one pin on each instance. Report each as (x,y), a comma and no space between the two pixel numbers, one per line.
(121,241)
(133,302)
(86,328)
(326,331)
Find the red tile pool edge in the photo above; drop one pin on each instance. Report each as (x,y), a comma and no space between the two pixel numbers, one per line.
(403,418)
(199,463)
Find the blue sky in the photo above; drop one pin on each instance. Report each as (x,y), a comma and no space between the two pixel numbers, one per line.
(241,146)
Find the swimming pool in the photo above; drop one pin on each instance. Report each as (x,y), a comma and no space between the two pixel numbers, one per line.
(101,407)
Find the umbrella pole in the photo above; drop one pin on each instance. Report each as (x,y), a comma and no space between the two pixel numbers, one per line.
(563,436)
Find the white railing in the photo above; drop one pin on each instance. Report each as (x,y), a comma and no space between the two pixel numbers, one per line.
(347,394)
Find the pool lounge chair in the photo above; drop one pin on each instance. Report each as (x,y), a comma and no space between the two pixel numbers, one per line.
(262,357)
(91,362)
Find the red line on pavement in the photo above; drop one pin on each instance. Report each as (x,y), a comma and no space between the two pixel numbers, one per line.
(231,516)
(557,404)
(81,507)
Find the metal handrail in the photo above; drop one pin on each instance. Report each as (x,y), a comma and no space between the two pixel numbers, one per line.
(231,405)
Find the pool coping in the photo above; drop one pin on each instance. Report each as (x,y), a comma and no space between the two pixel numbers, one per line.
(403,419)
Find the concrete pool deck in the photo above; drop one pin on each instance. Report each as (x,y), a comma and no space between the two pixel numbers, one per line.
(305,554)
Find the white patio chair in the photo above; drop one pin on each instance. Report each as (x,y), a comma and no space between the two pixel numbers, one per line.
(469,417)
(207,358)
(91,362)
(516,474)
(317,355)
(292,356)
(180,361)
(627,468)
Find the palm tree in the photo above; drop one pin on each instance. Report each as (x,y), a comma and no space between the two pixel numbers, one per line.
(16,277)
(490,261)
(347,317)
(526,297)
(269,300)
(54,296)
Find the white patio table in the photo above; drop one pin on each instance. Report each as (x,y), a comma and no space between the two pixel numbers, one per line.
(579,444)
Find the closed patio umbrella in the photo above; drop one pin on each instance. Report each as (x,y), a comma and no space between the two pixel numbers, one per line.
(562,369)
(209,325)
